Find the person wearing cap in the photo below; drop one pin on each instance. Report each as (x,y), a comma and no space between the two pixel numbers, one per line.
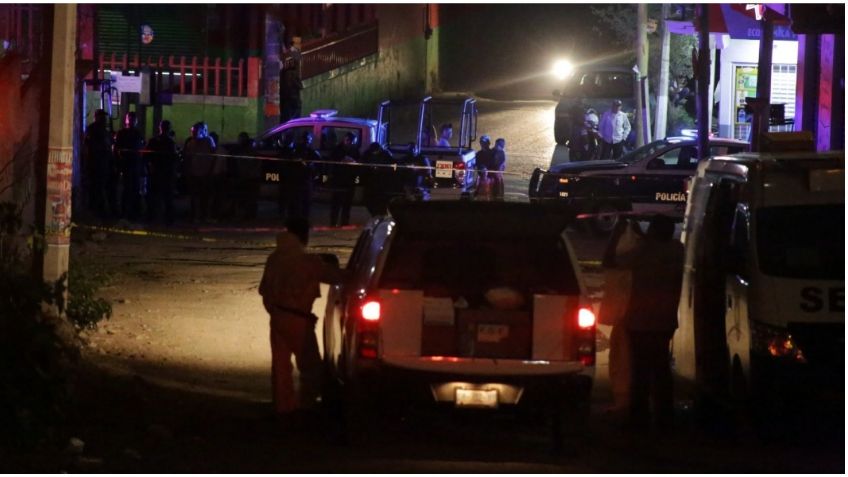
(484,162)
(614,129)
(289,286)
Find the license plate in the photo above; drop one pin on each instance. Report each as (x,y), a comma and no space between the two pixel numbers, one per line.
(444,169)
(477,398)
(491,333)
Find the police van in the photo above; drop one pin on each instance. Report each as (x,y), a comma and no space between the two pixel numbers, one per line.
(762,307)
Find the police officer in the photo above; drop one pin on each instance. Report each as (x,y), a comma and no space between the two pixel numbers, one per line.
(484,162)
(343,179)
(246,176)
(380,182)
(417,175)
(128,144)
(101,166)
(290,283)
(163,173)
(297,174)
(198,167)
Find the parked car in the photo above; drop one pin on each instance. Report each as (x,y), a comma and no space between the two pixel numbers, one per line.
(650,179)
(464,304)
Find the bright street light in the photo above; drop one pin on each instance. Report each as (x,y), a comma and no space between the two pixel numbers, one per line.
(562,69)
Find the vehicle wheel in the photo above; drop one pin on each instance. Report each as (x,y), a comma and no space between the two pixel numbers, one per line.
(606,219)
(561,131)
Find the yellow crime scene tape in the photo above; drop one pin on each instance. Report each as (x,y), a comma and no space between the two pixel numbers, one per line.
(394,166)
(269,244)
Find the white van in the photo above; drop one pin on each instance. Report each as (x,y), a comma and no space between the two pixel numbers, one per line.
(762,307)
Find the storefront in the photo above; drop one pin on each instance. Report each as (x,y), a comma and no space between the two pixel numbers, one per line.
(739,80)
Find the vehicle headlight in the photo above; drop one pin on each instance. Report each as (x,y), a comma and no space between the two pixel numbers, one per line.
(775,342)
(562,69)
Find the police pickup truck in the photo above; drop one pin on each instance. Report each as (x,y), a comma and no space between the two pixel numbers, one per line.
(762,306)
(651,179)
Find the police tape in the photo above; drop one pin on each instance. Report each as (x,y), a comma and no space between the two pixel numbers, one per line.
(395,166)
(201,238)
(266,244)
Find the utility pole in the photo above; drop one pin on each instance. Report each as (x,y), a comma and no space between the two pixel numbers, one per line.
(761,109)
(701,62)
(60,141)
(660,128)
(642,66)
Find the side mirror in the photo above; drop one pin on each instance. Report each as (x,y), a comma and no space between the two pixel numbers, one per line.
(556,93)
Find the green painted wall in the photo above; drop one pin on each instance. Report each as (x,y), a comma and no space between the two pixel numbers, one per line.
(225,116)
(398,70)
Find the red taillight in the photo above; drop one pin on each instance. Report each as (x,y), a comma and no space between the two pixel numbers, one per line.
(585,337)
(459,165)
(371,310)
(585,318)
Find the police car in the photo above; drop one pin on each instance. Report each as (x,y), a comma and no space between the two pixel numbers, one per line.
(762,307)
(651,179)
(327,130)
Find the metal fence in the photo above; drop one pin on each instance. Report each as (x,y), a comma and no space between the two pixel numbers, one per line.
(337,50)
(181,75)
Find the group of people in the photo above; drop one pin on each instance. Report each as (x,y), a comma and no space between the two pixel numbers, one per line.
(490,163)
(599,138)
(146,173)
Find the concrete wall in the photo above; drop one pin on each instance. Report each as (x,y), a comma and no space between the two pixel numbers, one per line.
(398,69)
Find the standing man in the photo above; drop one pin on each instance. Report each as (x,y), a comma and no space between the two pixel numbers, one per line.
(128,144)
(343,179)
(656,265)
(499,163)
(296,177)
(380,181)
(101,166)
(199,164)
(163,173)
(614,129)
(484,163)
(290,87)
(290,283)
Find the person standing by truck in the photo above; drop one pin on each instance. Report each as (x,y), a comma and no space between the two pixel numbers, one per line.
(614,129)
(656,266)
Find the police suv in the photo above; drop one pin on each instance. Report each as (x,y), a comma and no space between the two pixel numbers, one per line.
(762,308)
(652,179)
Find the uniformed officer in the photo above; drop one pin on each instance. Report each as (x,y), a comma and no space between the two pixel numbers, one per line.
(381,182)
(296,178)
(343,179)
(128,145)
(101,166)
(163,173)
